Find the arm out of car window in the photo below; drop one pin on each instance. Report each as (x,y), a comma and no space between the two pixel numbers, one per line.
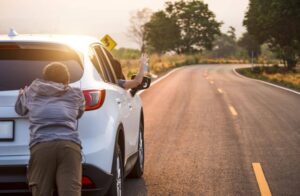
(127,84)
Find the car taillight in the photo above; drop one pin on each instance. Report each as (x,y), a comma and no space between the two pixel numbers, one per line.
(87,182)
(94,99)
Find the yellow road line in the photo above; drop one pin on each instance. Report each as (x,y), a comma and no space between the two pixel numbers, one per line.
(261,180)
(220,90)
(233,111)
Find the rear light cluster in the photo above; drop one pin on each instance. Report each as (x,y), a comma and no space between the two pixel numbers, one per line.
(94,99)
(87,183)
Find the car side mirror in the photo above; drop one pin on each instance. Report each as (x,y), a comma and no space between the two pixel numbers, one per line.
(144,85)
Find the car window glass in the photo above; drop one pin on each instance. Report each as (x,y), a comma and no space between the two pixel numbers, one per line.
(104,64)
(115,65)
(109,63)
(22,63)
(96,63)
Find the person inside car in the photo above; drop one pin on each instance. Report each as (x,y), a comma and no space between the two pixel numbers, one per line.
(137,80)
(53,108)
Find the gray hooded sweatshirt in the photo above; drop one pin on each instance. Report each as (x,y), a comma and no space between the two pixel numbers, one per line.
(53,110)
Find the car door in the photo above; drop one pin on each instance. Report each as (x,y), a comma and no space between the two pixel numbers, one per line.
(130,120)
(117,94)
(108,75)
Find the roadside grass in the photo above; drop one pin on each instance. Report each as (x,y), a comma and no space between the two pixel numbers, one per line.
(274,74)
(163,63)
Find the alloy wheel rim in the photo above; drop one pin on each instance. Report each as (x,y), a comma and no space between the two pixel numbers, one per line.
(141,151)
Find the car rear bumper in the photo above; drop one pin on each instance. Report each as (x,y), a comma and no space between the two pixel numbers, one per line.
(13,180)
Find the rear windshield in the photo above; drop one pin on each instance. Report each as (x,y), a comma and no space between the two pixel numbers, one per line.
(21,63)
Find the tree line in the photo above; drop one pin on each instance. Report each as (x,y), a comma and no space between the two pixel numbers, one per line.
(276,23)
(188,26)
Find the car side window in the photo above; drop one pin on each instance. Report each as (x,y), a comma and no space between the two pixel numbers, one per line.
(112,62)
(96,62)
(101,61)
(105,64)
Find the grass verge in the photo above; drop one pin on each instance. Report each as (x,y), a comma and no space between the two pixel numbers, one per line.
(162,64)
(282,78)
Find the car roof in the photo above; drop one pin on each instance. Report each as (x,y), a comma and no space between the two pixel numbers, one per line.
(78,42)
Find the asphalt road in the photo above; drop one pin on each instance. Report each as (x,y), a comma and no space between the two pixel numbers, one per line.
(205,127)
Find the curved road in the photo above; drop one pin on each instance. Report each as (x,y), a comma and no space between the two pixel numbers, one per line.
(205,126)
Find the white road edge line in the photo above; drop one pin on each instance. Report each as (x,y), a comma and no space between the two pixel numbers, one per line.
(160,79)
(268,83)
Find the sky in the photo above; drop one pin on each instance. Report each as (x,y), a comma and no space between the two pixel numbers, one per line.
(99,17)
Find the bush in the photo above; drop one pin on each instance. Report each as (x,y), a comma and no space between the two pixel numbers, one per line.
(272,70)
(287,79)
(130,74)
(126,53)
(257,70)
(161,63)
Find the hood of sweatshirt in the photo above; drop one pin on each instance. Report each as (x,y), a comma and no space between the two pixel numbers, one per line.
(47,88)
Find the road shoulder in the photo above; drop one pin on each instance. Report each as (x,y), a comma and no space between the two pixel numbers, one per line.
(264,82)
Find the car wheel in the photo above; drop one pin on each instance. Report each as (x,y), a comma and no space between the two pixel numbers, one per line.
(117,186)
(138,168)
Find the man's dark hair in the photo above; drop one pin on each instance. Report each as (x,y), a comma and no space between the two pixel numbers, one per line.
(56,72)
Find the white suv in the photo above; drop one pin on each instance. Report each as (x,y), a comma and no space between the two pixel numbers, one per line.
(111,129)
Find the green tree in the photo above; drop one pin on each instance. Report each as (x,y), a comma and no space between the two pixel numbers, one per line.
(250,43)
(267,53)
(224,46)
(161,33)
(231,33)
(276,22)
(197,23)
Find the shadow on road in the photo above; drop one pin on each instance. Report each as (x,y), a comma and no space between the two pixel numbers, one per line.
(135,187)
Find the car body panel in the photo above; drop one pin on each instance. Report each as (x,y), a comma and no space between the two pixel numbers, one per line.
(98,129)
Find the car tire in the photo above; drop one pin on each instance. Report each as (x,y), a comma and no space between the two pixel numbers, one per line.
(138,168)
(117,186)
